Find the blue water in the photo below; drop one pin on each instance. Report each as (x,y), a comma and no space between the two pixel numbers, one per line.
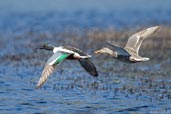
(120,88)
(74,91)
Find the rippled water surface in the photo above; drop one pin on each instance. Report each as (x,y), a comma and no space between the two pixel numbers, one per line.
(120,88)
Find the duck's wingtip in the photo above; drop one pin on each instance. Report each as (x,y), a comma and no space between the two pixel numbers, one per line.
(38,86)
(94,74)
(155,28)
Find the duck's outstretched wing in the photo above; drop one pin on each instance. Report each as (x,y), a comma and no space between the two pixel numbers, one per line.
(50,66)
(88,66)
(119,50)
(86,63)
(75,50)
(84,60)
(135,41)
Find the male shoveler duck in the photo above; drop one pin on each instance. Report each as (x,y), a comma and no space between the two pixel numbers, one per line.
(130,52)
(60,54)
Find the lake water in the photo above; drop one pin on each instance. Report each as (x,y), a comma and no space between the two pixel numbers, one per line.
(120,88)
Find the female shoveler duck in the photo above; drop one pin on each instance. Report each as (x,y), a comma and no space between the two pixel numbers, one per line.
(130,52)
(60,54)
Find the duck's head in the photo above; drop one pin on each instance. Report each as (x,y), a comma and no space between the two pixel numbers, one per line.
(47,47)
(107,51)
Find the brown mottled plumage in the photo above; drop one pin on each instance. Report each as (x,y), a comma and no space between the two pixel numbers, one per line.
(130,53)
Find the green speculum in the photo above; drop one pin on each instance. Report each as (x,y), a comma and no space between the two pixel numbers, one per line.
(61,58)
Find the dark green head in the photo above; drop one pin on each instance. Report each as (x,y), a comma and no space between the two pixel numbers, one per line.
(47,47)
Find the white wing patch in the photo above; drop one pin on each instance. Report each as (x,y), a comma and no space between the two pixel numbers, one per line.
(61,49)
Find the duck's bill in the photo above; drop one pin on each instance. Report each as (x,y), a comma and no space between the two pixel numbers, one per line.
(98,51)
(42,46)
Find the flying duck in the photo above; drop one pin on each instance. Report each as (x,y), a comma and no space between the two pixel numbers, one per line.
(130,53)
(60,54)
